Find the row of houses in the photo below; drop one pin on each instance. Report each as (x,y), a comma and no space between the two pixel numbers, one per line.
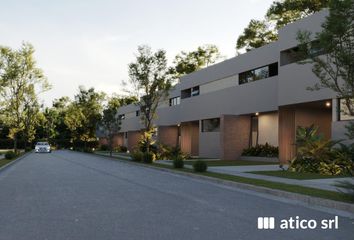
(255,98)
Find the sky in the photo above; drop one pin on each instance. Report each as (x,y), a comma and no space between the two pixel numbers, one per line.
(91,42)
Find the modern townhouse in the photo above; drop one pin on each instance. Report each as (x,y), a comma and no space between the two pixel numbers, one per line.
(255,98)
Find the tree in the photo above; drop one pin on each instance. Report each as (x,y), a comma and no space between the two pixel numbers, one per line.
(288,11)
(332,52)
(261,32)
(188,62)
(20,83)
(255,35)
(83,115)
(152,80)
(32,115)
(110,121)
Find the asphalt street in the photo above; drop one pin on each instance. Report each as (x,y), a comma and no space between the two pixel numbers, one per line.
(69,195)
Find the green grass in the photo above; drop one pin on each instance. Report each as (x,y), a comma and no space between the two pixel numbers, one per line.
(337,196)
(215,163)
(296,175)
(5,161)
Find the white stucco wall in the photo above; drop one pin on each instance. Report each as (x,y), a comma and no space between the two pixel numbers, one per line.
(268,128)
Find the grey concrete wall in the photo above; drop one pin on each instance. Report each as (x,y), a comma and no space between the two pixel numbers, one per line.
(339,131)
(259,96)
(209,144)
(294,81)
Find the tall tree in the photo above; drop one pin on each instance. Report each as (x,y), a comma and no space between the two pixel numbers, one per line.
(20,83)
(150,76)
(110,122)
(331,52)
(188,62)
(83,115)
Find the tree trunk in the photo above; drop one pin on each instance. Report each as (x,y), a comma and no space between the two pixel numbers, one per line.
(15,142)
(110,146)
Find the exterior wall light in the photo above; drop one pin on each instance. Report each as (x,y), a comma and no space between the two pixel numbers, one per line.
(257,113)
(328,104)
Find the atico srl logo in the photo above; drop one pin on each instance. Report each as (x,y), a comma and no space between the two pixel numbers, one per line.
(294,223)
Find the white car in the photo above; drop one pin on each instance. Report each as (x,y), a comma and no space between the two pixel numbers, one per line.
(42,147)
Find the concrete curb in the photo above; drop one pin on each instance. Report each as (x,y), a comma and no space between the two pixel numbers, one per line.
(308,200)
(13,162)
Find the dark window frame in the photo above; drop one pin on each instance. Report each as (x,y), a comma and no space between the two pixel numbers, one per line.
(216,129)
(253,74)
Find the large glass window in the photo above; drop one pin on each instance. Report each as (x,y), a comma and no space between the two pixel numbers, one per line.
(258,73)
(343,111)
(211,125)
(175,101)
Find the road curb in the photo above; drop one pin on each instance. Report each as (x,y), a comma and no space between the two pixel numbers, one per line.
(14,161)
(308,200)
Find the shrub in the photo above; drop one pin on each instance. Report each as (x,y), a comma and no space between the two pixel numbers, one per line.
(88,150)
(178,162)
(200,166)
(260,150)
(137,156)
(10,155)
(148,157)
(28,149)
(317,155)
(104,147)
(123,149)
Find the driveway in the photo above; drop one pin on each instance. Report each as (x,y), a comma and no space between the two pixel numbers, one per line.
(69,195)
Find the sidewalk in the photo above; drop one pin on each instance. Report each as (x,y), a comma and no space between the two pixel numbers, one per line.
(242,171)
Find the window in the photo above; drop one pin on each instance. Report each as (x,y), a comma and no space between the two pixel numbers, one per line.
(293,55)
(259,73)
(137,113)
(125,134)
(343,113)
(195,91)
(190,92)
(175,101)
(254,131)
(121,116)
(211,125)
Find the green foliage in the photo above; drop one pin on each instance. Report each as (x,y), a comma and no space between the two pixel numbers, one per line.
(123,149)
(10,155)
(331,52)
(149,157)
(260,150)
(20,83)
(261,32)
(83,115)
(104,147)
(317,155)
(188,62)
(200,166)
(255,35)
(178,162)
(288,11)
(137,156)
(151,78)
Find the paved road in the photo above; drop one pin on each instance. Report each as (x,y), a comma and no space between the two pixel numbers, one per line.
(68,195)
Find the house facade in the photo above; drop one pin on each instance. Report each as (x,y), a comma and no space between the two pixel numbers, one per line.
(255,98)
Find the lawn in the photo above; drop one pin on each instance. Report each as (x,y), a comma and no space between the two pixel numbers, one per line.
(296,175)
(215,163)
(5,161)
(337,196)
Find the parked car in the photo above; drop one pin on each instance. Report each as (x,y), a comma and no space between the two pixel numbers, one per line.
(42,147)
